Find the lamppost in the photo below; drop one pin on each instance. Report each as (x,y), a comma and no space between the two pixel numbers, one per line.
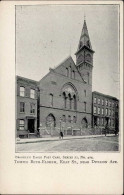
(72,125)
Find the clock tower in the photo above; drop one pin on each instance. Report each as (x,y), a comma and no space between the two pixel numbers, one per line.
(84,55)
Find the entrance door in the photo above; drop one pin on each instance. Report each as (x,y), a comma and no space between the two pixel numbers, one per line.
(50,121)
(84,123)
(31,125)
(95,121)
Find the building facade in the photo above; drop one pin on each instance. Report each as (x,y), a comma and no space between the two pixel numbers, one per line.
(27,96)
(105,110)
(61,100)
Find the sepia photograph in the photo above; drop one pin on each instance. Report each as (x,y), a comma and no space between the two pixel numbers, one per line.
(61,83)
(67,78)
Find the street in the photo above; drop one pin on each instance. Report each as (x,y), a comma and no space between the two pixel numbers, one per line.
(97,144)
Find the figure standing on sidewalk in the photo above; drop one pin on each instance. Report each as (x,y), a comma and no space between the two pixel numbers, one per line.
(106,128)
(61,135)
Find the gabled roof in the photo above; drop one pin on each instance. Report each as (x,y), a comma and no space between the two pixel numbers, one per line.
(69,58)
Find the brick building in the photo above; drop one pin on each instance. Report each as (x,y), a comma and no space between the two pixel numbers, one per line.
(26,106)
(105,110)
(60,100)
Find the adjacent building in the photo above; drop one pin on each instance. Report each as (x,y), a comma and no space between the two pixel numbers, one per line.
(27,98)
(105,110)
(63,99)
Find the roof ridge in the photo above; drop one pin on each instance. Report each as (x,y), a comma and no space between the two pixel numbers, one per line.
(61,62)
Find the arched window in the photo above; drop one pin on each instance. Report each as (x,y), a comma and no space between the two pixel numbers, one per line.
(69,97)
(84,123)
(75,103)
(67,72)
(22,91)
(88,78)
(50,121)
(64,99)
(51,99)
(80,59)
(69,119)
(85,106)
(64,118)
(70,72)
(74,119)
(88,58)
(73,74)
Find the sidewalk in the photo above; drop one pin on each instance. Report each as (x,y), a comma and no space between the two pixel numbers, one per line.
(35,140)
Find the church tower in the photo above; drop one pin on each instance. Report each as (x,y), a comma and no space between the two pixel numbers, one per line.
(84,56)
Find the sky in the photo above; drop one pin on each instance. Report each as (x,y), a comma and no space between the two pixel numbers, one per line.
(48,34)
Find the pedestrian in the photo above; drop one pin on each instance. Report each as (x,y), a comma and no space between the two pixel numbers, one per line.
(61,135)
(106,128)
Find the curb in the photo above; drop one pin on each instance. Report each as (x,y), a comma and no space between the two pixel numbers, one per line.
(66,138)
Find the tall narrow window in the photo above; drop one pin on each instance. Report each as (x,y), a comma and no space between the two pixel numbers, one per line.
(98,110)
(102,102)
(21,124)
(109,112)
(32,108)
(98,100)
(22,107)
(69,119)
(102,111)
(64,118)
(64,99)
(85,94)
(32,93)
(69,97)
(22,91)
(73,74)
(70,72)
(67,72)
(75,103)
(51,99)
(106,111)
(88,78)
(102,121)
(85,106)
(74,119)
(95,100)
(94,109)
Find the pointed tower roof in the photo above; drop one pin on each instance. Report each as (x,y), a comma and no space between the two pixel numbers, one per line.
(84,38)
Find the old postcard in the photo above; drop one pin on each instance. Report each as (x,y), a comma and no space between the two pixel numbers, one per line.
(62,97)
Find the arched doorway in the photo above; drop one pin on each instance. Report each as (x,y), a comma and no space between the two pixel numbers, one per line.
(84,123)
(50,121)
